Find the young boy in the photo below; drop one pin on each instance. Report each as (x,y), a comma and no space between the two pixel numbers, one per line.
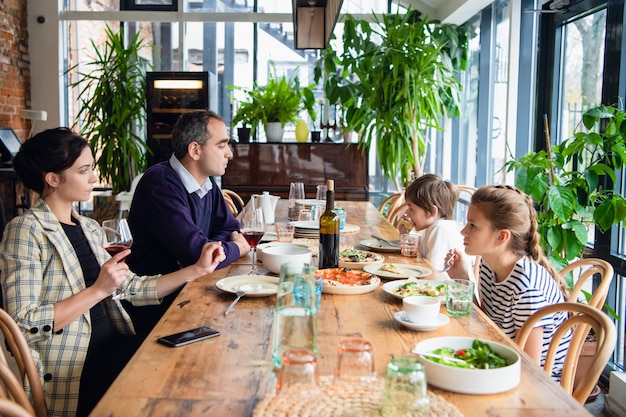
(431,201)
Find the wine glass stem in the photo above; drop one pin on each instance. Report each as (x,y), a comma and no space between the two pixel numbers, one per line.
(253,271)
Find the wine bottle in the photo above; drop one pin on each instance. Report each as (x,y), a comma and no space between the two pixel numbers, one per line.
(329,231)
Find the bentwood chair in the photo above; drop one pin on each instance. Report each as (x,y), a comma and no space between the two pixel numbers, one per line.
(390,206)
(581,317)
(13,398)
(10,408)
(583,271)
(233,201)
(18,346)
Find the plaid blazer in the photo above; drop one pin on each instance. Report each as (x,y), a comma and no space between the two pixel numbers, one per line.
(38,267)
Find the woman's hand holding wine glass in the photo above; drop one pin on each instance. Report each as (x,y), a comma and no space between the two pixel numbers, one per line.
(253,228)
(118,239)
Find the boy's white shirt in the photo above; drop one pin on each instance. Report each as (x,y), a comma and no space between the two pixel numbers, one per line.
(436,242)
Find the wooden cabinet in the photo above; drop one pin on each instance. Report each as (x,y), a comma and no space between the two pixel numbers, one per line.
(170,94)
(258,167)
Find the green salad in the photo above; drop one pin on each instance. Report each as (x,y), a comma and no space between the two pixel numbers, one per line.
(479,356)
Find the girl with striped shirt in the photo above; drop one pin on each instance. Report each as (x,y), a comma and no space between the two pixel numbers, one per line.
(515,277)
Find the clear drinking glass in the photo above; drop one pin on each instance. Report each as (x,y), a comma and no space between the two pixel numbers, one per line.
(118,238)
(320,202)
(459,297)
(296,200)
(405,392)
(253,228)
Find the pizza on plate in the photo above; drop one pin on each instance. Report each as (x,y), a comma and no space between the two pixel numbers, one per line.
(344,277)
(356,255)
(392,268)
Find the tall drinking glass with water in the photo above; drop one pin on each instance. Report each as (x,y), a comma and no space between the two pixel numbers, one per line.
(296,200)
(295,316)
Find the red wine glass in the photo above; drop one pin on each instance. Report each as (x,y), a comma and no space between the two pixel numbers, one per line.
(118,238)
(253,229)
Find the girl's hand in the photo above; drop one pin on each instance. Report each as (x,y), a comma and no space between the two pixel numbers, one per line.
(458,266)
(112,273)
(212,254)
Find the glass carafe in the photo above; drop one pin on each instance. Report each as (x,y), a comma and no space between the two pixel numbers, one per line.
(295,316)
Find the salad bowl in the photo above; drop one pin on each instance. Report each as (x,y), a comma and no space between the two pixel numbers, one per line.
(448,374)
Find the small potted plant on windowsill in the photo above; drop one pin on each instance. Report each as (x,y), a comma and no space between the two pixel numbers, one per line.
(248,116)
(277,103)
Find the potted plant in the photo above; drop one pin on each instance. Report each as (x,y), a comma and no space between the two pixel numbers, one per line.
(571,183)
(112,113)
(394,80)
(275,104)
(248,116)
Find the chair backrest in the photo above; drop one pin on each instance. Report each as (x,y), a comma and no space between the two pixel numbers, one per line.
(583,271)
(12,391)
(233,201)
(18,346)
(391,204)
(581,317)
(9,408)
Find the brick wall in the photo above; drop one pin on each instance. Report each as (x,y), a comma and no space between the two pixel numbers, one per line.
(14,66)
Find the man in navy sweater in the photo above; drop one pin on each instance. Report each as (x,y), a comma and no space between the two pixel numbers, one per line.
(177,207)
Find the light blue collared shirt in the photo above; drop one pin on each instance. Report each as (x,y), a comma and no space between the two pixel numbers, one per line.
(190,183)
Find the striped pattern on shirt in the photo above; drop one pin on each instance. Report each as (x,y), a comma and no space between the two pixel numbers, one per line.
(509,303)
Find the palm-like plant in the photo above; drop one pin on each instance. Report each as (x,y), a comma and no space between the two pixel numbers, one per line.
(394,80)
(112,110)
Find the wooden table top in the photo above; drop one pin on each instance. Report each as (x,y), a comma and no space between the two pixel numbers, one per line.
(228,375)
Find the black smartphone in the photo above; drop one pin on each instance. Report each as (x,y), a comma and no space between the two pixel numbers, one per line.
(188,336)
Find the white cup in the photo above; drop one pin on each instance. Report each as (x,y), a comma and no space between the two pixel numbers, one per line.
(421,309)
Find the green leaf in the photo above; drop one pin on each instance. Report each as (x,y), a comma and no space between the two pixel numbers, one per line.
(561,201)
(605,215)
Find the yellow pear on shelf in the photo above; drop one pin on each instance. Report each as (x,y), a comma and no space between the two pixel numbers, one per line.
(302,131)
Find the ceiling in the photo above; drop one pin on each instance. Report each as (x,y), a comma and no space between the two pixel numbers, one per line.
(448,11)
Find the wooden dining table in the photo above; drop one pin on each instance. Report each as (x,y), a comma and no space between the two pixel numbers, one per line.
(230,374)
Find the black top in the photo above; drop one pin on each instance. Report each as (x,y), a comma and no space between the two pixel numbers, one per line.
(101,327)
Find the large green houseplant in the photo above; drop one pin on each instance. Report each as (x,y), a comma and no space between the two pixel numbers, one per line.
(571,183)
(112,99)
(280,101)
(395,79)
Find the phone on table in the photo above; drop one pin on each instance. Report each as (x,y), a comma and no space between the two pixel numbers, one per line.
(188,336)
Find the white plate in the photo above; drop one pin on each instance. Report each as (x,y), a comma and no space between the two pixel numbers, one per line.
(341,289)
(310,202)
(390,286)
(311,225)
(269,237)
(360,265)
(404,269)
(253,285)
(441,320)
(378,246)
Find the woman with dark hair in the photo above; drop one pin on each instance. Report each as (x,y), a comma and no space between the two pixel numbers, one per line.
(57,279)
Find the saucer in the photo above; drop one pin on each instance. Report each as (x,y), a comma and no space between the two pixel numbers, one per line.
(441,320)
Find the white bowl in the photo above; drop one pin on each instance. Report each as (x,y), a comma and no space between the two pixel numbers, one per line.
(274,257)
(470,381)
(260,248)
